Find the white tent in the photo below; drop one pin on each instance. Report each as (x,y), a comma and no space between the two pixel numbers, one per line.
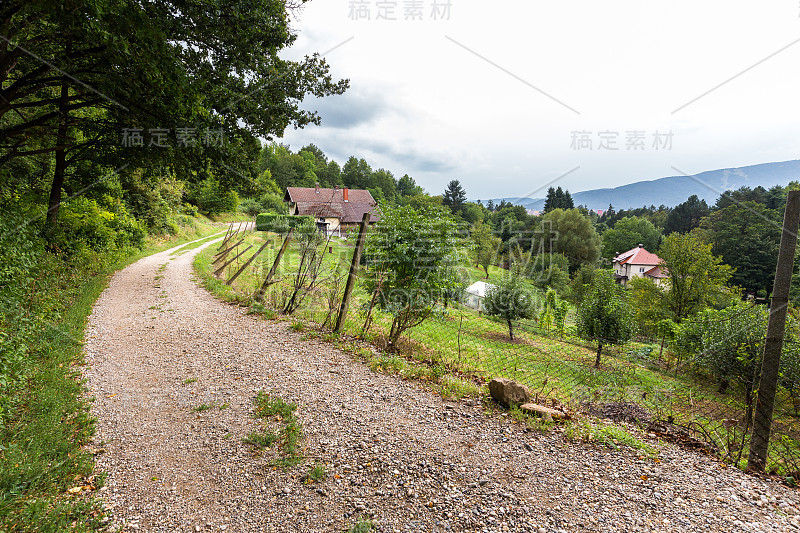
(476,293)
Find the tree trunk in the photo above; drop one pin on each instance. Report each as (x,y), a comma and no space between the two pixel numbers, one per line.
(54,202)
(599,351)
(510,329)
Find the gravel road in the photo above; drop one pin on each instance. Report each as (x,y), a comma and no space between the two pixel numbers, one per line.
(159,346)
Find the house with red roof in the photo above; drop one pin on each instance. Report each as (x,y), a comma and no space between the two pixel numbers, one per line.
(638,263)
(335,210)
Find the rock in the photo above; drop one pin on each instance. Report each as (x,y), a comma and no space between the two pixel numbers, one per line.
(509,392)
(542,411)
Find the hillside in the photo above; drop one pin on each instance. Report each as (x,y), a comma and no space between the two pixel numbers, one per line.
(673,190)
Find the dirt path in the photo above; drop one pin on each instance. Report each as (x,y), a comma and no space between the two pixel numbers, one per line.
(394,451)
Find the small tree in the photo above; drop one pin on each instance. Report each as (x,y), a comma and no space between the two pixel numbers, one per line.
(486,246)
(511,299)
(605,316)
(412,258)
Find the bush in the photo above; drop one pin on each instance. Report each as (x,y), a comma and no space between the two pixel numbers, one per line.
(282,223)
(212,198)
(83,224)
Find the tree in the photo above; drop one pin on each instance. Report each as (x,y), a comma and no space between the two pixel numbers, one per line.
(454,197)
(628,233)
(605,316)
(201,69)
(695,276)
(512,298)
(746,236)
(486,246)
(549,271)
(728,343)
(686,216)
(406,186)
(576,237)
(412,258)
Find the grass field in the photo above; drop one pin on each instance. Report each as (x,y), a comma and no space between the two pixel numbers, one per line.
(459,349)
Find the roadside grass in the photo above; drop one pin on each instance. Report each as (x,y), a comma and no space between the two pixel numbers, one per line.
(47,477)
(458,349)
(289,434)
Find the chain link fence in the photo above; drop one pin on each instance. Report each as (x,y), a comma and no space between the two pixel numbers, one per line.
(641,382)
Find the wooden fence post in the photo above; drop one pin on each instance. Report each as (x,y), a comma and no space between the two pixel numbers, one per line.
(762,424)
(247,263)
(268,279)
(351,278)
(225,240)
(222,254)
(218,271)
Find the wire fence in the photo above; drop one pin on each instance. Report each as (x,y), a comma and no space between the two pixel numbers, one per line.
(641,382)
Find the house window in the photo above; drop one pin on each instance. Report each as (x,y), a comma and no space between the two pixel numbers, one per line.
(641,270)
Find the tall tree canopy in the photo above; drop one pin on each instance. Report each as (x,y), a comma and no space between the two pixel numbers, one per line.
(575,236)
(628,233)
(106,79)
(454,197)
(686,216)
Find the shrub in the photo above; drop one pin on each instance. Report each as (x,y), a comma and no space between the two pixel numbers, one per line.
(282,223)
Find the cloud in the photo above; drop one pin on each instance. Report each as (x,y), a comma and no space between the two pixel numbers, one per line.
(352,109)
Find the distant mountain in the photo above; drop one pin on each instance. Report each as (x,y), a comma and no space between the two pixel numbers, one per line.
(676,189)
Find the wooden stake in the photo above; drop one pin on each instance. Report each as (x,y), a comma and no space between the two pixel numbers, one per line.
(351,278)
(268,279)
(246,264)
(762,425)
(218,271)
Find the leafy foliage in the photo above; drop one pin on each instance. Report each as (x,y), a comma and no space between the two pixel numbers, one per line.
(411,259)
(695,279)
(511,299)
(628,233)
(605,316)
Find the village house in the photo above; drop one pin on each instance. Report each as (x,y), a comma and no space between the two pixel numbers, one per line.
(638,263)
(335,210)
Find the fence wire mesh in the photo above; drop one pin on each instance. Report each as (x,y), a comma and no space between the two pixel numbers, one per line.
(641,382)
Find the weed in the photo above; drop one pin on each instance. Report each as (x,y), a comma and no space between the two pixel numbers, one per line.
(189,380)
(267,406)
(317,473)
(363,525)
(224,406)
(297,326)
(612,436)
(203,407)
(261,440)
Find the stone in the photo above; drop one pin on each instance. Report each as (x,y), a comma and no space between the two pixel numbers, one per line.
(509,392)
(545,412)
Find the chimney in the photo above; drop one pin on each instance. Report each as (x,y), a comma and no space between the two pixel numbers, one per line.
(641,246)
(345,195)
(317,189)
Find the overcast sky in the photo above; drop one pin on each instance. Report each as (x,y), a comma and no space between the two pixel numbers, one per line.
(508,96)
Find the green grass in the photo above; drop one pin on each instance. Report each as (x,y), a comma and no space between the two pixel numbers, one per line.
(48,420)
(289,435)
(363,525)
(203,407)
(261,439)
(189,380)
(317,473)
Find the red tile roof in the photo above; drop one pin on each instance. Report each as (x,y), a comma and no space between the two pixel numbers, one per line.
(637,256)
(330,203)
(311,194)
(658,272)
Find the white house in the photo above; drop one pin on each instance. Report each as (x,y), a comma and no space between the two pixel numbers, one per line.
(476,293)
(638,263)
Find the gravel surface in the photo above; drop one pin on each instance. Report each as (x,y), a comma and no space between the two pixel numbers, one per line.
(395,451)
